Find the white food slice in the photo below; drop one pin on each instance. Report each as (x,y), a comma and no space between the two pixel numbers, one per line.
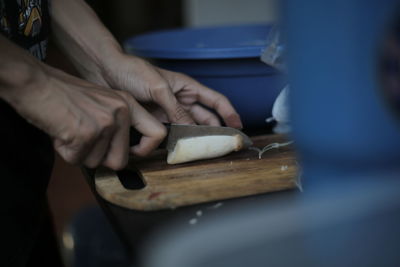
(204,147)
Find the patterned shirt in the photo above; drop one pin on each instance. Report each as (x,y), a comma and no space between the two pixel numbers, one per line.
(26,23)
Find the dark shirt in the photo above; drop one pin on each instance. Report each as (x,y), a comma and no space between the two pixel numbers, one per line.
(26,23)
(26,153)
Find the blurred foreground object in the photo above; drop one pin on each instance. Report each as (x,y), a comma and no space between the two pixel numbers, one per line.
(281,112)
(273,55)
(345,224)
(343,125)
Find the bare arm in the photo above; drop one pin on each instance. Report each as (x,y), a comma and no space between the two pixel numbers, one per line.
(19,72)
(82,36)
(89,124)
(100,59)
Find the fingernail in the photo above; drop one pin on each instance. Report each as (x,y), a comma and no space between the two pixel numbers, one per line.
(234,121)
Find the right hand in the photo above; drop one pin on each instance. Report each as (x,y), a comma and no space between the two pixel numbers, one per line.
(89,124)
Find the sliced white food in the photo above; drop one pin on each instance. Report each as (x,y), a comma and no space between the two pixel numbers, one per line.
(204,147)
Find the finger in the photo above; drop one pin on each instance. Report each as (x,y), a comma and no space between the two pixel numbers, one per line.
(118,152)
(221,104)
(97,154)
(160,115)
(145,147)
(163,96)
(157,112)
(75,149)
(153,131)
(65,153)
(208,97)
(204,116)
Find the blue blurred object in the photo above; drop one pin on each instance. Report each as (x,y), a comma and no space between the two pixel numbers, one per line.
(228,42)
(226,59)
(343,125)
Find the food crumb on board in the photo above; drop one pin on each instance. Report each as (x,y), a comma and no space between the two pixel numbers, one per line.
(216,206)
(284,167)
(231,163)
(193,221)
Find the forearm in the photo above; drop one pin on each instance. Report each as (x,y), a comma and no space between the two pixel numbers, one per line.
(89,124)
(19,72)
(83,37)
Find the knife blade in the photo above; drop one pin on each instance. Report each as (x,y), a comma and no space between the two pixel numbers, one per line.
(180,131)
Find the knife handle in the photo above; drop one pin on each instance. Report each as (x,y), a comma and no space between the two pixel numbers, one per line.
(135,136)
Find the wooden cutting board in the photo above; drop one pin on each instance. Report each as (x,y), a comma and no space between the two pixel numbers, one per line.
(235,175)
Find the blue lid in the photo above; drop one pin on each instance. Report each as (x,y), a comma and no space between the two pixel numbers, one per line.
(201,43)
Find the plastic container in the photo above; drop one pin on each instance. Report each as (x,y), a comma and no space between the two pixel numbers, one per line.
(226,59)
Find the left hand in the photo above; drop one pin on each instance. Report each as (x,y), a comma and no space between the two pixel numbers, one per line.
(178,95)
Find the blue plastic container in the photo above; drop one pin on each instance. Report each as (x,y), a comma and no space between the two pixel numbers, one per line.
(226,59)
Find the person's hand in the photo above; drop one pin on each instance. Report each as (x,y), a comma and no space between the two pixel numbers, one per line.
(179,96)
(88,123)
(99,58)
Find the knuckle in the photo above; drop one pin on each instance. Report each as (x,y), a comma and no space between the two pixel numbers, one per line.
(159,89)
(106,122)
(87,134)
(114,164)
(220,99)
(161,132)
(67,134)
(93,160)
(91,164)
(71,157)
(121,109)
(69,152)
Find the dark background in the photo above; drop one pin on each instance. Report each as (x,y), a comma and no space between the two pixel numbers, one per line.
(126,18)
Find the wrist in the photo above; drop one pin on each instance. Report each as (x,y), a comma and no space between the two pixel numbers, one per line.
(114,66)
(94,63)
(20,78)
(109,56)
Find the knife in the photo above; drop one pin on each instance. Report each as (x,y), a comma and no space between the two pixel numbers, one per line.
(180,131)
